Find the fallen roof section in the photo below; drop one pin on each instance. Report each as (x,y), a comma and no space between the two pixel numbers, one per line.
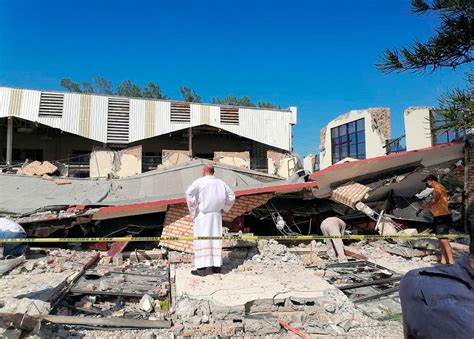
(146,193)
(333,176)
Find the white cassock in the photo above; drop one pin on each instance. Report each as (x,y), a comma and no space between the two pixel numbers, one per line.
(206,198)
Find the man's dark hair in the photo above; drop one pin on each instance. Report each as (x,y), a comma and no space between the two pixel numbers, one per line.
(430,177)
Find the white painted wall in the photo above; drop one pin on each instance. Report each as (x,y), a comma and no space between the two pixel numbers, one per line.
(417,128)
(309,163)
(374,140)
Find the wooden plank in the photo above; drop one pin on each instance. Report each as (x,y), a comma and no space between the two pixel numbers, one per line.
(62,294)
(144,255)
(107,322)
(118,293)
(117,247)
(355,255)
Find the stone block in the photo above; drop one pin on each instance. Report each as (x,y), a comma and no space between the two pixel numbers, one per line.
(147,303)
(261,325)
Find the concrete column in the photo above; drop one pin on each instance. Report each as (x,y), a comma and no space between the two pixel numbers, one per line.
(190,141)
(9,140)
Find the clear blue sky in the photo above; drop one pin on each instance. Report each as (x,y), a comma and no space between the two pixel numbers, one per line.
(316,55)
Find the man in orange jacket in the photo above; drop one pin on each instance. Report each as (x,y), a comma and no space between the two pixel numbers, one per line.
(441,217)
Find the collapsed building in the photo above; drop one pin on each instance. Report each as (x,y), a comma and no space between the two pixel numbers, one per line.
(267,287)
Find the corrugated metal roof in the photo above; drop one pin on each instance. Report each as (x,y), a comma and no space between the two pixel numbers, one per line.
(89,116)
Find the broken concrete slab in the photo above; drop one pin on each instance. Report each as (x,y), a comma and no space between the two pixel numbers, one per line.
(238,288)
(237,159)
(175,157)
(37,168)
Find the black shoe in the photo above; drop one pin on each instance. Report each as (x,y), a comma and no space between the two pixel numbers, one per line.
(216,269)
(201,272)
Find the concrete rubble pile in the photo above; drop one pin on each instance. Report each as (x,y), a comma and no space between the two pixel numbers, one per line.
(299,295)
(263,286)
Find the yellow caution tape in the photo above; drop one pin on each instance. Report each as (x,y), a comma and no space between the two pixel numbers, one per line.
(237,237)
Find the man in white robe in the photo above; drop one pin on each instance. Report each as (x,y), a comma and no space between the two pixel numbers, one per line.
(206,198)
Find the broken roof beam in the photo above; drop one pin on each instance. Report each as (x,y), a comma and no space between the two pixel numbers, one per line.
(106,322)
(161,205)
(426,157)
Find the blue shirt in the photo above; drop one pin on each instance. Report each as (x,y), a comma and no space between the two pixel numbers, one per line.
(438,302)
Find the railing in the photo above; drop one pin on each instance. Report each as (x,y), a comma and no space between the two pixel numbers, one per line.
(396,145)
(78,165)
(81,159)
(151,162)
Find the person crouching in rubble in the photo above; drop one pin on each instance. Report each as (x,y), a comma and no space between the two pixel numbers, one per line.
(10,229)
(438,302)
(441,217)
(334,226)
(206,198)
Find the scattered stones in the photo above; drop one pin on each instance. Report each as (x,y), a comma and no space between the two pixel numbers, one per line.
(118,260)
(102,271)
(261,325)
(177,329)
(29,265)
(334,330)
(195,320)
(331,308)
(25,305)
(105,260)
(157,307)
(184,309)
(84,303)
(89,287)
(147,303)
(430,258)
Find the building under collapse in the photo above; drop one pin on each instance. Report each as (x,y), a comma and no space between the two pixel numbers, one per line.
(40,125)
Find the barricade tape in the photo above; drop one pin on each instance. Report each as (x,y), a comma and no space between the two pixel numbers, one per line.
(236,237)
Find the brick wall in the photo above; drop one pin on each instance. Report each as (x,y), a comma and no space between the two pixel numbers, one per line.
(322,137)
(178,222)
(382,117)
(470,188)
